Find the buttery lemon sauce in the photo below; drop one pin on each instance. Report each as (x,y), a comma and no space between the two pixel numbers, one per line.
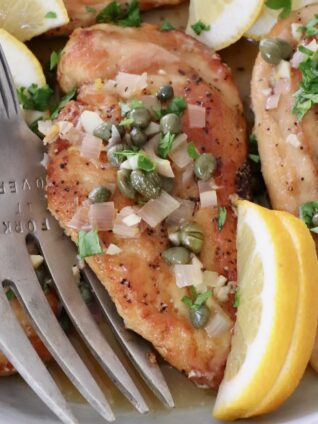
(240,57)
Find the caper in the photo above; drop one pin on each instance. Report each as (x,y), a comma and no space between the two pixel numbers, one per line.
(124,185)
(204,166)
(314,220)
(138,138)
(166,183)
(99,194)
(114,159)
(141,117)
(170,123)
(174,235)
(146,183)
(273,50)
(165,93)
(105,129)
(199,317)
(176,255)
(191,236)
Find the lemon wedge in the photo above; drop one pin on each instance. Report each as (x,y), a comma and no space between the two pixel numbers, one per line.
(227,20)
(268,19)
(24,66)
(277,313)
(26,19)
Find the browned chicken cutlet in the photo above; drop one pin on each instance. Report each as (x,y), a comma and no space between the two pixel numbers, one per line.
(83,13)
(140,283)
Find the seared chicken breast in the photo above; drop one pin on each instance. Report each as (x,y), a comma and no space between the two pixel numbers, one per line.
(83,12)
(288,146)
(139,280)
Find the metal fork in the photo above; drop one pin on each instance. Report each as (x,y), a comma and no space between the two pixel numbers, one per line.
(23,212)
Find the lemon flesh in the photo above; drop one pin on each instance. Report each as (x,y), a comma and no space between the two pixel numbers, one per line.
(277,313)
(268,18)
(26,19)
(228,20)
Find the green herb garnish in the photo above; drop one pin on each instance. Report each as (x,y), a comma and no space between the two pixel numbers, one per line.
(310,29)
(88,243)
(10,294)
(166,26)
(54,59)
(197,299)
(119,15)
(143,161)
(125,122)
(192,151)
(284,5)
(165,145)
(222,213)
(51,15)
(64,100)
(237,298)
(253,149)
(177,105)
(35,97)
(199,27)
(307,94)
(308,212)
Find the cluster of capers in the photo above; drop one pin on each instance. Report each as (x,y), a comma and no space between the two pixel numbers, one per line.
(273,50)
(185,238)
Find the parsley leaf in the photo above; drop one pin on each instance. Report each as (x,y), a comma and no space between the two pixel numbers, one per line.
(192,151)
(126,121)
(310,29)
(145,163)
(88,243)
(34,97)
(307,94)
(237,298)
(197,299)
(10,294)
(166,26)
(177,105)
(64,100)
(165,145)
(54,59)
(135,103)
(199,27)
(120,15)
(307,212)
(284,5)
(90,9)
(253,149)
(222,213)
(51,15)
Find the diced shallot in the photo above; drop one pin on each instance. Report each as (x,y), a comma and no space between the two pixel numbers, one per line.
(80,220)
(152,129)
(150,102)
(188,275)
(272,102)
(91,147)
(130,84)
(163,166)
(208,196)
(183,213)
(180,156)
(113,249)
(179,141)
(101,216)
(156,210)
(197,116)
(90,120)
(218,324)
(44,126)
(187,175)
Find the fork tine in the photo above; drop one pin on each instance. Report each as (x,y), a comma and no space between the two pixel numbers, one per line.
(137,348)
(34,301)
(9,103)
(18,349)
(59,254)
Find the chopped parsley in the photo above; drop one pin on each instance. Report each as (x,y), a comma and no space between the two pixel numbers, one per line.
(143,161)
(237,298)
(166,26)
(253,149)
(307,94)
(165,145)
(284,5)
(35,97)
(10,294)
(64,100)
(197,299)
(90,9)
(126,121)
(88,243)
(308,212)
(310,29)
(192,151)
(120,15)
(177,105)
(132,104)
(51,15)
(199,27)
(222,213)
(54,59)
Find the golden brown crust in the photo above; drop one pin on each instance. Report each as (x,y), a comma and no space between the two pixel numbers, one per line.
(140,283)
(290,172)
